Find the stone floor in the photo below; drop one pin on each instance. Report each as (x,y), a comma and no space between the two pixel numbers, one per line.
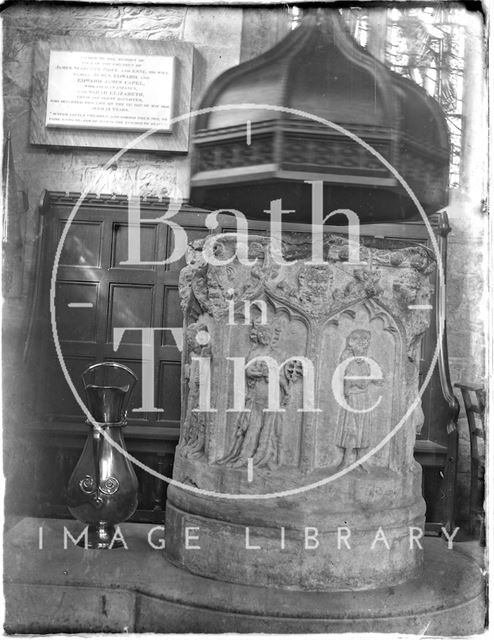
(53,589)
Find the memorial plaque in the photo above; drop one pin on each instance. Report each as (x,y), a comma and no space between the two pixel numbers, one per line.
(97,90)
(105,93)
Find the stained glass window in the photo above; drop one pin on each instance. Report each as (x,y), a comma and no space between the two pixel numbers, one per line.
(425,44)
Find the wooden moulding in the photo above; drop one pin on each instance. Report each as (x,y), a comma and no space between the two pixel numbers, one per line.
(174,141)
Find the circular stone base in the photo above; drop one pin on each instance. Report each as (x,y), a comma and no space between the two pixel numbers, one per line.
(304,558)
(447,599)
(355,533)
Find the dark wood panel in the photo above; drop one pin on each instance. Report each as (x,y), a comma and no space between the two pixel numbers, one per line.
(56,400)
(129,306)
(69,293)
(172,314)
(120,246)
(169,390)
(140,296)
(82,245)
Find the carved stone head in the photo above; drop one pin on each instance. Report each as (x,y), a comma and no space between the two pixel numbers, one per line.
(358,342)
(263,334)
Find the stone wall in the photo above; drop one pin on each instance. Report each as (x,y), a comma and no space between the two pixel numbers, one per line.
(466,317)
(215,34)
(467,300)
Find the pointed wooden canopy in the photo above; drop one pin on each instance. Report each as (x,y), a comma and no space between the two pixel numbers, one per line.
(246,156)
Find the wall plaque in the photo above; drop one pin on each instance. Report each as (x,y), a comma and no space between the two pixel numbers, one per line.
(106,92)
(109,91)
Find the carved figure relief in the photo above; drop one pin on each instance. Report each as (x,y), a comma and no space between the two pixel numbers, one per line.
(194,428)
(406,287)
(365,283)
(326,312)
(257,432)
(410,288)
(314,286)
(356,424)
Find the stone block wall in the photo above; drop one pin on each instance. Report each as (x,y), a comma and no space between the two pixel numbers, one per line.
(466,317)
(215,34)
(467,275)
